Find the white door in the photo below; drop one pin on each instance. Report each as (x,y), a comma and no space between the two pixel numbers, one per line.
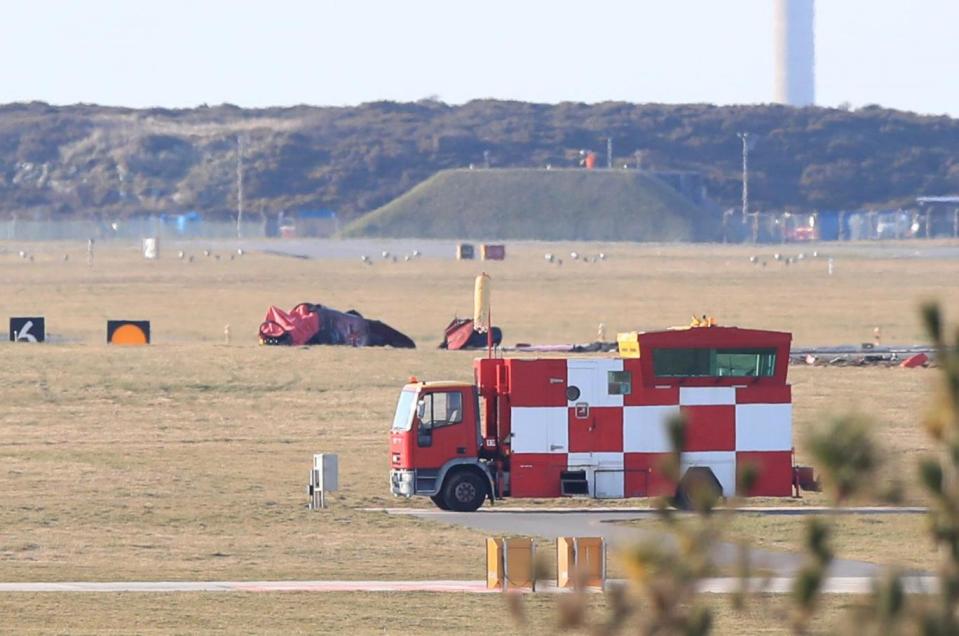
(608,483)
(591,377)
(540,429)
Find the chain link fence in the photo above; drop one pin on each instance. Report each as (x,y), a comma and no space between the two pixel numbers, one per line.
(132,228)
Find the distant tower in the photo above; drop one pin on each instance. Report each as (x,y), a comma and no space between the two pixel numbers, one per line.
(795,52)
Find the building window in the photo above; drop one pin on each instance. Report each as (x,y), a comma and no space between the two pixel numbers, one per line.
(691,363)
(620,383)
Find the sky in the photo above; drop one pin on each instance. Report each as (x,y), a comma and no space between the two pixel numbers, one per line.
(178,53)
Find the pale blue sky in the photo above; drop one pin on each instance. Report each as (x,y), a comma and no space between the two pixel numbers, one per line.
(178,53)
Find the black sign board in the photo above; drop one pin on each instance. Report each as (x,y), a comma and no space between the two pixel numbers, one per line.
(27,329)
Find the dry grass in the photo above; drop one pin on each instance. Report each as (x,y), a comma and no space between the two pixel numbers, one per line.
(189,459)
(355,613)
(900,541)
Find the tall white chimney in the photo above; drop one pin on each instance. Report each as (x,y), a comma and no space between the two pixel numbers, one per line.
(795,53)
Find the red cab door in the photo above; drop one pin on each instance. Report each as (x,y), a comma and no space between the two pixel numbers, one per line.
(445,426)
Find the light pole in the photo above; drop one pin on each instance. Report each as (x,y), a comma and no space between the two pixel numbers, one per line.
(239,186)
(744,136)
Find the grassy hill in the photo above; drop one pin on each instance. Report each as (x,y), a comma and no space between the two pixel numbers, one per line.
(539,204)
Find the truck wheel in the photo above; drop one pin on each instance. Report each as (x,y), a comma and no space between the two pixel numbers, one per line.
(464,491)
(439,501)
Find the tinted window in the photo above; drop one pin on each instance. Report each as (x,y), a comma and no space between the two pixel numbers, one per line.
(620,383)
(681,362)
(714,362)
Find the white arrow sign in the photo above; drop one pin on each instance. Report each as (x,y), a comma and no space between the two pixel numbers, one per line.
(24,334)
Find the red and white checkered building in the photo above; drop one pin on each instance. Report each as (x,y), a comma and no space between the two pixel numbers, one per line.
(586,414)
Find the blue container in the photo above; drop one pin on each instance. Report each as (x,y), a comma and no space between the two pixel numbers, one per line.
(828,223)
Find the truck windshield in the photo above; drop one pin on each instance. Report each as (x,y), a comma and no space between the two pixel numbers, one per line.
(403,419)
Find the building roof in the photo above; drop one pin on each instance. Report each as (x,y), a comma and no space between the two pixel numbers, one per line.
(953,198)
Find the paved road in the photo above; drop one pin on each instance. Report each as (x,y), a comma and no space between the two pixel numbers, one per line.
(595,522)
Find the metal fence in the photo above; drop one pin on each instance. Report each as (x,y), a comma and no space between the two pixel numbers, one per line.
(132,228)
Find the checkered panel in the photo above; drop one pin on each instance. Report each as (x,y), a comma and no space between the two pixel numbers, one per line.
(536,474)
(540,429)
(707,395)
(621,440)
(600,430)
(651,396)
(764,427)
(644,475)
(645,428)
(710,428)
(604,472)
(722,463)
(764,394)
(591,377)
(575,461)
(537,382)
(772,472)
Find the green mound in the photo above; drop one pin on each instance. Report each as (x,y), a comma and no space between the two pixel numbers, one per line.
(594,205)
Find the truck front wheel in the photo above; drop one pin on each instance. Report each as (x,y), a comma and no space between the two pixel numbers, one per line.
(464,491)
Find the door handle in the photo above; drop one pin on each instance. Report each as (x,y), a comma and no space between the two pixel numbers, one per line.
(553,447)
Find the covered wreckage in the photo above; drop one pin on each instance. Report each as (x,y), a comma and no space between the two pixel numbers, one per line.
(309,324)
(462,333)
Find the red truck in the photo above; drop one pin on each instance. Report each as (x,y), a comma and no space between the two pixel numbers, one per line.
(598,427)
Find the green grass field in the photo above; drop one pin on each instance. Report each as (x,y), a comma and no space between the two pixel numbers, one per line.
(188,459)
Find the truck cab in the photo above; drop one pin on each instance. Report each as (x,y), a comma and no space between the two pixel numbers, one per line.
(435,445)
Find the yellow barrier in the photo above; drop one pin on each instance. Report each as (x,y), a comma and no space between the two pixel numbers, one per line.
(509,563)
(581,562)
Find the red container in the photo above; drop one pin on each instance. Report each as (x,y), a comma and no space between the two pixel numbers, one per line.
(493,252)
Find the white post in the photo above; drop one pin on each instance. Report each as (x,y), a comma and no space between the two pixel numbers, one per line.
(603,573)
(505,565)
